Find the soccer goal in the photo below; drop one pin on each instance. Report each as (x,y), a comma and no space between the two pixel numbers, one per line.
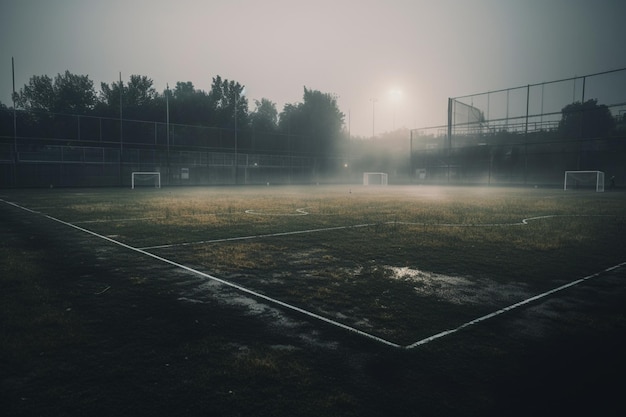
(584,180)
(146,179)
(374,178)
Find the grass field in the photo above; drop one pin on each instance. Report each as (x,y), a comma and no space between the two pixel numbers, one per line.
(309,301)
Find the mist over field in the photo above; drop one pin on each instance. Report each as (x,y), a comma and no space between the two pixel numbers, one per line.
(290,208)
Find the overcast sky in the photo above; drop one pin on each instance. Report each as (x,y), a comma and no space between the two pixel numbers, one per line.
(356,49)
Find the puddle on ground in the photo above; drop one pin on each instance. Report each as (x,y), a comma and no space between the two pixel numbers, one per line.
(458,289)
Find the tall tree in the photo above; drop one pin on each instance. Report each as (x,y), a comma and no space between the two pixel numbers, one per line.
(6,121)
(139,91)
(264,125)
(317,120)
(74,93)
(189,105)
(586,120)
(229,102)
(138,95)
(109,100)
(264,118)
(184,90)
(67,93)
(38,94)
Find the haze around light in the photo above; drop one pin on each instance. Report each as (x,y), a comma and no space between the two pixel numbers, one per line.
(425,51)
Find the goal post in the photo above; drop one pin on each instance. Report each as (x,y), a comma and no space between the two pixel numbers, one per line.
(146,178)
(375,178)
(584,180)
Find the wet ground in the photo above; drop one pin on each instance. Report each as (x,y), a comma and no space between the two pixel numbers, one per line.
(127,335)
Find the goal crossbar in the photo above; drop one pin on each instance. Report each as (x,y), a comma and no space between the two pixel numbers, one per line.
(157,183)
(375,178)
(588,179)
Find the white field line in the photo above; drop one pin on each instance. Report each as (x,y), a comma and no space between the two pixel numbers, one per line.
(469,323)
(328,229)
(333,322)
(232,239)
(211,277)
(523,222)
(299,212)
(132,219)
(512,307)
(302,212)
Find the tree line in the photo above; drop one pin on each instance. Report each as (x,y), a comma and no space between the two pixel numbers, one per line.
(315,125)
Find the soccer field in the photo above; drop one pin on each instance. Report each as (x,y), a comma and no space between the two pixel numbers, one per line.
(400,264)
(411,269)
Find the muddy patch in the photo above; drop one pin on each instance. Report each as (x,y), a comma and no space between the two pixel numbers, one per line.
(457,289)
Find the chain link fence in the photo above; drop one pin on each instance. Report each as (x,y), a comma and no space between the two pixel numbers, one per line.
(44,149)
(528,135)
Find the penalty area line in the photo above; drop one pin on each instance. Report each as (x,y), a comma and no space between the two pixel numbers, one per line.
(317,316)
(513,306)
(523,222)
(278,234)
(213,278)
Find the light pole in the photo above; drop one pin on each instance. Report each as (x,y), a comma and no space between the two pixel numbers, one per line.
(13,97)
(121,117)
(167,128)
(237,94)
(374,100)
(121,173)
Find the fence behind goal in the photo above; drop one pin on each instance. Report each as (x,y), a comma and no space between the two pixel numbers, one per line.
(530,134)
(91,166)
(41,149)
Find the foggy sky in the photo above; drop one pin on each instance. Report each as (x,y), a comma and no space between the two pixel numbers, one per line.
(356,49)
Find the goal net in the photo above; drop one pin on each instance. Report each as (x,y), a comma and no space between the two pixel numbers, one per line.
(584,180)
(143,179)
(374,178)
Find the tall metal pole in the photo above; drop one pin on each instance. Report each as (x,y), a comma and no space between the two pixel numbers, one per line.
(237,94)
(14,114)
(121,118)
(542,89)
(582,100)
(167,127)
(526,136)
(411,170)
(167,115)
(448,149)
(236,156)
(121,131)
(580,125)
(508,91)
(15,156)
(374,100)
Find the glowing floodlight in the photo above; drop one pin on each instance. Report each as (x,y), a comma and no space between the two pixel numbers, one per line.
(395,94)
